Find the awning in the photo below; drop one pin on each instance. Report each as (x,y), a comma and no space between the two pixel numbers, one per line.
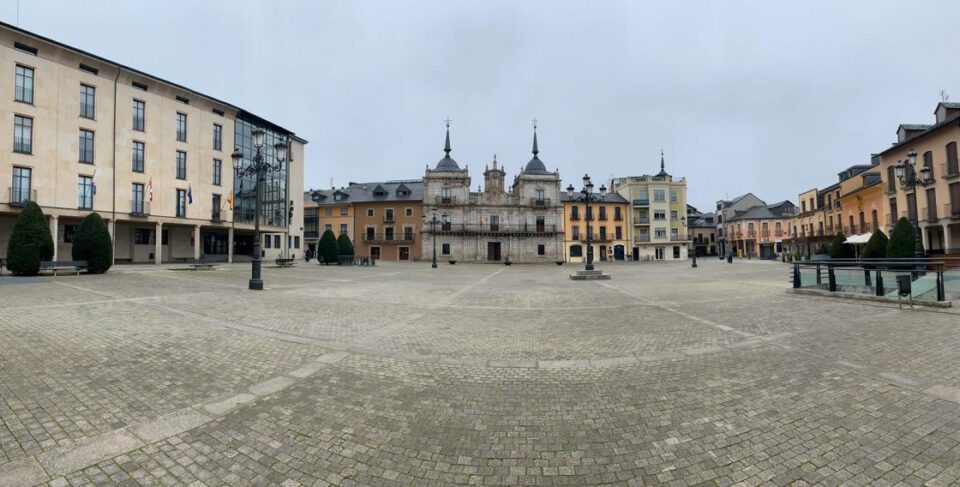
(858,239)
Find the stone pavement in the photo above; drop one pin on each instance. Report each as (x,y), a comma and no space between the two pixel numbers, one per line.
(470,375)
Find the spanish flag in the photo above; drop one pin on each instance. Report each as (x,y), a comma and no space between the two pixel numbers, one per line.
(230,200)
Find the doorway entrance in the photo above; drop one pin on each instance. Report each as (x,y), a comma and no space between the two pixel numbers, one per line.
(403,253)
(618,252)
(493,251)
(659,253)
(375,253)
(603,252)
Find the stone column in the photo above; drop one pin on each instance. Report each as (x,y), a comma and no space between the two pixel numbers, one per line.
(196,242)
(230,245)
(157,244)
(54,228)
(112,229)
(926,238)
(946,238)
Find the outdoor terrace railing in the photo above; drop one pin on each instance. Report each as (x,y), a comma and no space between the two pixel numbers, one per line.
(493,228)
(876,277)
(21,196)
(949,171)
(139,208)
(446,200)
(951,210)
(399,238)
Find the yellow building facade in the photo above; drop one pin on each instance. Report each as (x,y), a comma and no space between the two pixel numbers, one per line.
(605,223)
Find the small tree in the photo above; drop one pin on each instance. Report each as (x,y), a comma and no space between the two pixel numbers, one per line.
(344,245)
(839,249)
(327,248)
(91,243)
(30,242)
(901,243)
(876,247)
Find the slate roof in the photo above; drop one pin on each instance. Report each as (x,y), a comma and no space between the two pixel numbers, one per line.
(364,192)
(609,198)
(535,166)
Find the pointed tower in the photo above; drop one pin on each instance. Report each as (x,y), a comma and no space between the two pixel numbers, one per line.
(447,163)
(663,172)
(535,166)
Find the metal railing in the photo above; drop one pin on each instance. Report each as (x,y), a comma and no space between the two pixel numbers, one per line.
(868,276)
(618,218)
(24,94)
(643,221)
(389,218)
(540,202)
(21,196)
(495,228)
(949,171)
(215,215)
(596,238)
(679,238)
(446,200)
(22,145)
(929,213)
(398,238)
(951,210)
(575,218)
(641,202)
(139,208)
(641,239)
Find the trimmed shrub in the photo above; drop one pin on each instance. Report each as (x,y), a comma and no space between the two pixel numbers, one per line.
(30,242)
(344,245)
(876,247)
(901,243)
(840,250)
(92,243)
(327,248)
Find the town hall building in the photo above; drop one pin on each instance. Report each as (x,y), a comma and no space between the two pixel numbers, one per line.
(519,224)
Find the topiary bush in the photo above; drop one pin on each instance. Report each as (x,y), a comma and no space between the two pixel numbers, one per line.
(327,248)
(91,243)
(840,250)
(876,247)
(901,243)
(344,245)
(30,242)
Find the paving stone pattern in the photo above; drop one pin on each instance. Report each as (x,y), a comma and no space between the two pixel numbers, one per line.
(470,375)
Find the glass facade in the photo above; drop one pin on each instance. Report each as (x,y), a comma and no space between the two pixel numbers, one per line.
(274,185)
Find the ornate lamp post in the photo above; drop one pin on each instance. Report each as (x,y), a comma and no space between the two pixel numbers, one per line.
(433,229)
(258,169)
(906,172)
(586,195)
(683,220)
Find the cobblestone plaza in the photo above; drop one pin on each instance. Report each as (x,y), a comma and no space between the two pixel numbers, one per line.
(470,375)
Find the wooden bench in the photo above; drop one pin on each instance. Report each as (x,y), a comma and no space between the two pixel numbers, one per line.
(202,264)
(62,265)
(285,262)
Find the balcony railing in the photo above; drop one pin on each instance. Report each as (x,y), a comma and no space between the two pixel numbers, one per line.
(602,218)
(618,218)
(389,238)
(575,218)
(446,200)
(540,202)
(641,202)
(21,196)
(23,145)
(389,218)
(487,228)
(139,208)
(215,215)
(930,213)
(949,171)
(679,238)
(596,238)
(641,239)
(952,210)
(643,221)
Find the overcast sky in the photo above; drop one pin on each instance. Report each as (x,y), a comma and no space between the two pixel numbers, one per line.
(769,97)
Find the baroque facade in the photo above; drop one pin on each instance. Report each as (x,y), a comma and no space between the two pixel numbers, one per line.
(519,224)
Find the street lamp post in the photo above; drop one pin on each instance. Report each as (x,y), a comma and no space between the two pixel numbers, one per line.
(906,172)
(586,195)
(683,220)
(258,169)
(433,229)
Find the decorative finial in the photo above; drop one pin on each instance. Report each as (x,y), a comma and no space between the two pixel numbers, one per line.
(661,159)
(494,161)
(446,146)
(535,149)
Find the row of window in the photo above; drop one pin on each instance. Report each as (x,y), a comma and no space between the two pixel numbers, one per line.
(445,249)
(575,232)
(387,213)
(24,88)
(659,195)
(575,212)
(23,143)
(659,232)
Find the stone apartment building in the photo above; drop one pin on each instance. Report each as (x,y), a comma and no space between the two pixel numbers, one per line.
(606,223)
(703,231)
(519,224)
(935,206)
(326,210)
(727,209)
(658,214)
(152,157)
